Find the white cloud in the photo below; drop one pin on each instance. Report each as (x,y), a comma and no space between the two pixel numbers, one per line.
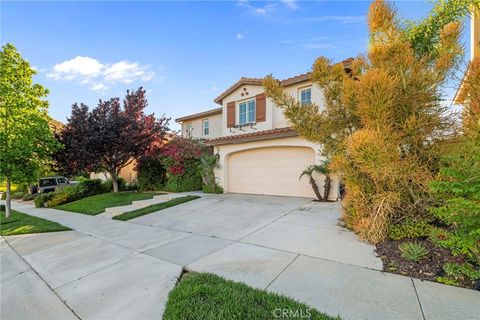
(291,4)
(264,10)
(240,36)
(127,72)
(88,70)
(99,87)
(75,68)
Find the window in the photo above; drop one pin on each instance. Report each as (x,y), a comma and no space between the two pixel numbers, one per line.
(188,131)
(247,111)
(206,127)
(306,96)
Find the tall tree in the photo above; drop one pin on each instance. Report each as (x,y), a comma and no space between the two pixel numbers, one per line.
(110,136)
(383,116)
(25,136)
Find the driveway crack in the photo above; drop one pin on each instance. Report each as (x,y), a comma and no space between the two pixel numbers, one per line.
(278,275)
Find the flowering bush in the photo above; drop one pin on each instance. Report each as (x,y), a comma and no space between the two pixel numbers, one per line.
(181,158)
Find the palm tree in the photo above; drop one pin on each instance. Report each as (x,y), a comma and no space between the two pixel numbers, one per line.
(207,165)
(320,168)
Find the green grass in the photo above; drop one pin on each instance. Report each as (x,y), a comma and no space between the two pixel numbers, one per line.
(153,208)
(96,204)
(207,296)
(20,223)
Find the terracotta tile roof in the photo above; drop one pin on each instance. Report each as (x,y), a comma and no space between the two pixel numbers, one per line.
(286,82)
(200,115)
(296,79)
(241,82)
(254,136)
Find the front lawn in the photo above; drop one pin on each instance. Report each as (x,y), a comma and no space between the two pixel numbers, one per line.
(96,204)
(153,208)
(207,296)
(20,223)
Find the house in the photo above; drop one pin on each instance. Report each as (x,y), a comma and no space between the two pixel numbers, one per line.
(259,152)
(127,173)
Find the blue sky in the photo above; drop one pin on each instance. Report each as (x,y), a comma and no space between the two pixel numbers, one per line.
(183,53)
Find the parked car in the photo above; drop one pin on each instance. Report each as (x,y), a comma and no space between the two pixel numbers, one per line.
(50,184)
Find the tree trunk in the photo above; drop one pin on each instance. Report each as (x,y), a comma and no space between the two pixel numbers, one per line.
(114,177)
(315,189)
(326,188)
(8,201)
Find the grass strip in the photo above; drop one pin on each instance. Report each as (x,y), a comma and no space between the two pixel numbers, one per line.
(154,207)
(207,296)
(96,204)
(21,223)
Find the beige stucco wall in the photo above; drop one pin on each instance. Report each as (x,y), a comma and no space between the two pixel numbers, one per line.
(215,123)
(225,151)
(275,117)
(128,173)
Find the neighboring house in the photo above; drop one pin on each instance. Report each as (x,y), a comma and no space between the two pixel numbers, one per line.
(474,43)
(128,173)
(259,152)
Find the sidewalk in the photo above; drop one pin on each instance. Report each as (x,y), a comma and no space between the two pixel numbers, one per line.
(106,267)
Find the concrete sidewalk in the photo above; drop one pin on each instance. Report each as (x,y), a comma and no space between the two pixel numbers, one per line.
(116,269)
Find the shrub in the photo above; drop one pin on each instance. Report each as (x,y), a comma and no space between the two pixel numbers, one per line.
(413,251)
(459,188)
(18,195)
(107,185)
(151,173)
(4,196)
(131,187)
(181,158)
(2,207)
(410,228)
(42,198)
(216,189)
(29,197)
(89,187)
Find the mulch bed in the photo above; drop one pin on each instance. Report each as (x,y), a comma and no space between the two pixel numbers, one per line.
(429,268)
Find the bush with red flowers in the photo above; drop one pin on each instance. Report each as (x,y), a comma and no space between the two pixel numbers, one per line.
(181,158)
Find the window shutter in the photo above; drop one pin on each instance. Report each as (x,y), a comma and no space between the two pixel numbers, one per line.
(230,114)
(261,107)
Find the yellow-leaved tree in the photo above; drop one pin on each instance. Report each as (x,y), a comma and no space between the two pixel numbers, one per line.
(383,119)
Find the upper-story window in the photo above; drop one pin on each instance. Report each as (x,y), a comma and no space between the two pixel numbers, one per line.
(205,127)
(247,111)
(188,131)
(306,96)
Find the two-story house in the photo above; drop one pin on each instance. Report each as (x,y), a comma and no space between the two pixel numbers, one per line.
(259,152)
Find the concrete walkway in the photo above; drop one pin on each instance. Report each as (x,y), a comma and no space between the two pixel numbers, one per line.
(109,269)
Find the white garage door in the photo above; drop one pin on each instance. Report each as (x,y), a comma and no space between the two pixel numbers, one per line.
(273,171)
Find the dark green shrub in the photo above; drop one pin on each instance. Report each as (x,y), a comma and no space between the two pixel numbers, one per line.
(131,187)
(89,187)
(17,195)
(459,189)
(107,185)
(151,174)
(2,207)
(29,197)
(410,229)
(215,189)
(459,272)
(42,198)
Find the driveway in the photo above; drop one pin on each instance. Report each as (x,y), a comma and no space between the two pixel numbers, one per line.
(113,269)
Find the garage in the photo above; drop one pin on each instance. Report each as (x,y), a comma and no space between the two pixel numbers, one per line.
(271,171)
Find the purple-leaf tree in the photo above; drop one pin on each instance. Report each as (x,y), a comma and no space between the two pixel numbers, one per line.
(110,136)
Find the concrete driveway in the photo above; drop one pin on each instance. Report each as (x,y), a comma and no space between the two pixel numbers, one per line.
(109,269)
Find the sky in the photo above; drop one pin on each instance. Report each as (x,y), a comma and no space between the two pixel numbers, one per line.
(184,53)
